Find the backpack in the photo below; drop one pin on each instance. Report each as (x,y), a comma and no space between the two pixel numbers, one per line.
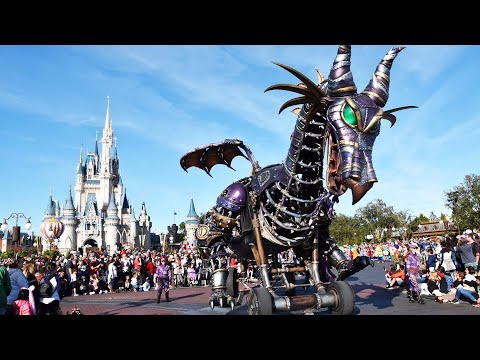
(46,287)
(447,262)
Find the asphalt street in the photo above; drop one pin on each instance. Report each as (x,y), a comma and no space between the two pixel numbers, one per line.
(371,298)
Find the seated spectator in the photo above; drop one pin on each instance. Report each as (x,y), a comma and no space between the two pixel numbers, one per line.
(93,285)
(446,280)
(146,286)
(128,285)
(431,285)
(134,281)
(459,276)
(467,291)
(396,276)
(470,273)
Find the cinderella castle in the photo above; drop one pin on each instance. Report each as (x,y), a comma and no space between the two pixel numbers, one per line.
(101,215)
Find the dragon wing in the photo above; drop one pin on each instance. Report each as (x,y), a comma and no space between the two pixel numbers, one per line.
(207,156)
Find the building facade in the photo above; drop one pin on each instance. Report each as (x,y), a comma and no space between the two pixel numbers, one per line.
(101,215)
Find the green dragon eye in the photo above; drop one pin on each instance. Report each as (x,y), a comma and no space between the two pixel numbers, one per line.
(349,116)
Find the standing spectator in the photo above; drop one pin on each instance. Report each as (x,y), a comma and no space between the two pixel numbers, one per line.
(5,289)
(150,267)
(84,270)
(431,260)
(464,249)
(112,275)
(447,259)
(137,267)
(475,246)
(50,305)
(68,271)
(17,279)
(192,274)
(29,272)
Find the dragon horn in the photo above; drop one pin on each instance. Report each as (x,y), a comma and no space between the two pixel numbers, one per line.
(377,88)
(340,79)
(320,77)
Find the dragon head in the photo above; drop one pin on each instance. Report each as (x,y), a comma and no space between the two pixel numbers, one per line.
(353,119)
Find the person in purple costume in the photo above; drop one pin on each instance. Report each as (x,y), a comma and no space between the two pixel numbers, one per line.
(163,279)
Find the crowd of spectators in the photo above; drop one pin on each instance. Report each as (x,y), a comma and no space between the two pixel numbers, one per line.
(447,271)
(447,266)
(93,273)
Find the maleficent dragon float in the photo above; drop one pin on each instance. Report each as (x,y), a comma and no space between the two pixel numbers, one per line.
(290,205)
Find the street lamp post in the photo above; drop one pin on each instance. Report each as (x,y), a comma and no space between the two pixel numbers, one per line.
(35,244)
(16,228)
(163,241)
(171,243)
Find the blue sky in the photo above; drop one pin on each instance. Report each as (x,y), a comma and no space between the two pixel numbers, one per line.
(166,100)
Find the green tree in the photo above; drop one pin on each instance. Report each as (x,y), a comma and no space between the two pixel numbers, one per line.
(347,230)
(7,254)
(181,232)
(376,216)
(464,201)
(413,226)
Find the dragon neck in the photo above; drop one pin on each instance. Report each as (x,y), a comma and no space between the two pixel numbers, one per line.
(304,160)
(287,205)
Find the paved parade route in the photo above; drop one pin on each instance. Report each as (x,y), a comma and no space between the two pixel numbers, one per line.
(372,298)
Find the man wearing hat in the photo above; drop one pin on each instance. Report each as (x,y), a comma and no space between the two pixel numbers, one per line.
(468,250)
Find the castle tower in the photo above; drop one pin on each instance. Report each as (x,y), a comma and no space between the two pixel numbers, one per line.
(133,228)
(105,173)
(145,226)
(49,212)
(79,181)
(111,225)
(191,224)
(68,240)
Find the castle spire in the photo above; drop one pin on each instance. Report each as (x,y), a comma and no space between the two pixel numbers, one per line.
(108,122)
(50,211)
(96,142)
(69,202)
(112,207)
(115,155)
(192,213)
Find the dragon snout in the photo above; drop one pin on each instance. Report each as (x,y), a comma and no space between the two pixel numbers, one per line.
(361,179)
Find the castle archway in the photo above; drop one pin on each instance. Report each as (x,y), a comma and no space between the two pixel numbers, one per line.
(90,243)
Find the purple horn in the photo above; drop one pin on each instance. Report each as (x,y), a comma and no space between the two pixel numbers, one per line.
(377,88)
(340,79)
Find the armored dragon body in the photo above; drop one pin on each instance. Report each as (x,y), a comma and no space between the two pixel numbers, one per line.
(290,204)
